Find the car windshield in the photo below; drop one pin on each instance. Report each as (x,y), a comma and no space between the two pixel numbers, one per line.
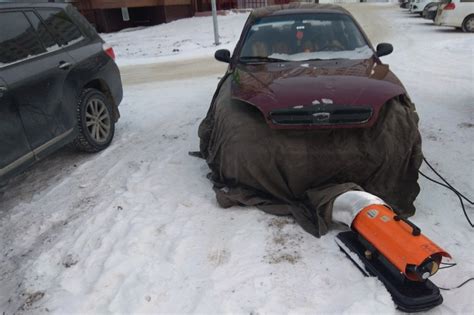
(298,37)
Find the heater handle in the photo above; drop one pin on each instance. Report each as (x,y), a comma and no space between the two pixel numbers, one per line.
(415,230)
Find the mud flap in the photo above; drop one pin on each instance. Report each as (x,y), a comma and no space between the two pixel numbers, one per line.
(409,296)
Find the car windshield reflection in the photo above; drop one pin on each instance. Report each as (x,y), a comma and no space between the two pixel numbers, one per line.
(304,37)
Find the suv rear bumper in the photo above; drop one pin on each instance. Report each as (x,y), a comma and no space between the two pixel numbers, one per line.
(111,75)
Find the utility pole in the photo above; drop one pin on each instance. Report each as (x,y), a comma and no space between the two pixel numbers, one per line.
(214,20)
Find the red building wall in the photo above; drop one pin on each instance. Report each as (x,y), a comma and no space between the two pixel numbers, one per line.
(106,15)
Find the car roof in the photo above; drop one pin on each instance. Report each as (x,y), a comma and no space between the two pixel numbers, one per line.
(22,5)
(298,8)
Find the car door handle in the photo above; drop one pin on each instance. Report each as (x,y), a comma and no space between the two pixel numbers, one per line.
(64,65)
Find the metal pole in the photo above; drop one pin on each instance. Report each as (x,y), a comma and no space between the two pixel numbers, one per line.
(214,20)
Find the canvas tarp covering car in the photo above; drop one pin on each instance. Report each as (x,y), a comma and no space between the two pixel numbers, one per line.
(301,172)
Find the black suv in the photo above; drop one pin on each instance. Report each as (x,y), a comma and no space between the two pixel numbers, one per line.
(59,84)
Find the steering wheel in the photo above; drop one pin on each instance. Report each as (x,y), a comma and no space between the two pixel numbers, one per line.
(332,46)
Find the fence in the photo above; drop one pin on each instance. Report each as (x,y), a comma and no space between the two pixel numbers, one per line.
(251,4)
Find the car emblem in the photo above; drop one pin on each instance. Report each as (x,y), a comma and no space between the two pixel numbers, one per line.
(322,116)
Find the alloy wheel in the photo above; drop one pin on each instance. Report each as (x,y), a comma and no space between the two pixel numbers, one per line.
(470,24)
(98,120)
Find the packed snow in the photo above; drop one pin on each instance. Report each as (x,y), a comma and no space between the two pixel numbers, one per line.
(136,228)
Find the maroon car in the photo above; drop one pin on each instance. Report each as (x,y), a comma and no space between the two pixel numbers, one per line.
(305,112)
(310,68)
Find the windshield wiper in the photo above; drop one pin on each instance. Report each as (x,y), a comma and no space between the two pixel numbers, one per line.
(247,59)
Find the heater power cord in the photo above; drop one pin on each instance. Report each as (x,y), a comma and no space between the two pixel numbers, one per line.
(447,265)
(457,287)
(461,198)
(447,185)
(450,265)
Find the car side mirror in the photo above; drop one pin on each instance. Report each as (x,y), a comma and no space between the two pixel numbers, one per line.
(222,55)
(384,49)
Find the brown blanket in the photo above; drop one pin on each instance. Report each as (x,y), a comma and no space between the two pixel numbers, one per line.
(301,172)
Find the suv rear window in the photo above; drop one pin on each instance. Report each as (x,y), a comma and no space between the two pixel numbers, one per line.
(61,26)
(18,40)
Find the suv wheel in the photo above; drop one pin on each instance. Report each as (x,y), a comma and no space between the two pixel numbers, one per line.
(94,121)
(468,24)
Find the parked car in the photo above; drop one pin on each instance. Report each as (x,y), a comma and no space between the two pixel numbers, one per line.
(59,84)
(419,5)
(304,100)
(430,10)
(456,13)
(326,38)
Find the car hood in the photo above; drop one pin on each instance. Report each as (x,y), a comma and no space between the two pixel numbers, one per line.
(316,88)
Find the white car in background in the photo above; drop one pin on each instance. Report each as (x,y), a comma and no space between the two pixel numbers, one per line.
(418,6)
(456,13)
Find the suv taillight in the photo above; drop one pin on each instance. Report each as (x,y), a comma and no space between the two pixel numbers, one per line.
(450,6)
(109,50)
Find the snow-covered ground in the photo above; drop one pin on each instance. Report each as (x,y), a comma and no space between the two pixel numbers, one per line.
(186,38)
(136,228)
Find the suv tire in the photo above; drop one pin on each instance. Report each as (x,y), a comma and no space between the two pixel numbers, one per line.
(94,121)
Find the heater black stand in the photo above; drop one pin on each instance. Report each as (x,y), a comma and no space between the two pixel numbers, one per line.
(409,296)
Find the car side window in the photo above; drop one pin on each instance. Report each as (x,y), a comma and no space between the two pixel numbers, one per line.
(45,36)
(57,21)
(18,40)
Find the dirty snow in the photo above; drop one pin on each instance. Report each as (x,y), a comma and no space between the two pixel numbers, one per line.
(136,228)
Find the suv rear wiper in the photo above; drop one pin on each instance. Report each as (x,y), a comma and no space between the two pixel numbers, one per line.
(247,59)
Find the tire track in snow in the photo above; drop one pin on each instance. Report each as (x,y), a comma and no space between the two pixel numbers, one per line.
(166,71)
(97,175)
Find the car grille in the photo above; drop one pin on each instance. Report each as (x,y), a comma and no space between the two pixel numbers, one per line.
(322,116)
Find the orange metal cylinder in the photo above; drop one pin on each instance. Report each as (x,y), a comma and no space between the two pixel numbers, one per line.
(394,239)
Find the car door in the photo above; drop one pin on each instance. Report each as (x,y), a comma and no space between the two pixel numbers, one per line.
(36,80)
(14,148)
